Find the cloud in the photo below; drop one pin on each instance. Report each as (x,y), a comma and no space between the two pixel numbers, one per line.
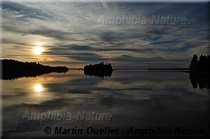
(200,50)
(56,34)
(88,57)
(70,30)
(80,47)
(24,11)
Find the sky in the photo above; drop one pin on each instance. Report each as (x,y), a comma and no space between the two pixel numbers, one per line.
(77,33)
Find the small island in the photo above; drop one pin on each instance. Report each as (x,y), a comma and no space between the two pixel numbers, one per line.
(200,71)
(201,64)
(100,70)
(13,69)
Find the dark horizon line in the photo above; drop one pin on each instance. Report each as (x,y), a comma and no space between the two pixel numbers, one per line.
(124,69)
(138,69)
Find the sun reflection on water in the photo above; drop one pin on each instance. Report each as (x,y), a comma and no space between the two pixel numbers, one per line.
(38,88)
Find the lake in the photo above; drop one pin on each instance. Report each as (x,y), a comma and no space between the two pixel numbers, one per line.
(137,99)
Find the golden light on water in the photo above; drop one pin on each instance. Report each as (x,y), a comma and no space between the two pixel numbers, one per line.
(38,88)
(40,93)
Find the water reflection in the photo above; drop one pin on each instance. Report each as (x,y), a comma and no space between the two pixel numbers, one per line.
(38,88)
(99,74)
(200,80)
(140,99)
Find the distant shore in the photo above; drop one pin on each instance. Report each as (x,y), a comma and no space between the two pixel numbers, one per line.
(170,69)
(13,69)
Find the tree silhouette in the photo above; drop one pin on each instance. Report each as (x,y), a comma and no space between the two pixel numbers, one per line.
(101,70)
(13,69)
(200,71)
(194,63)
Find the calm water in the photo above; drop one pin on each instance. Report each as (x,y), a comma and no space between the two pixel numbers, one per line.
(134,98)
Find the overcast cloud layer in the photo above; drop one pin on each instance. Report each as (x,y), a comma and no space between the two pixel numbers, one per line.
(75,34)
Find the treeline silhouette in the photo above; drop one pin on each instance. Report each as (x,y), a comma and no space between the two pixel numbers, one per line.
(200,71)
(13,69)
(200,65)
(100,70)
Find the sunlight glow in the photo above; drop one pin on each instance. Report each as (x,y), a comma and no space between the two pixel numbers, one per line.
(38,50)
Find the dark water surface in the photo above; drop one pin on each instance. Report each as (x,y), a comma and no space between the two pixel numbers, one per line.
(139,99)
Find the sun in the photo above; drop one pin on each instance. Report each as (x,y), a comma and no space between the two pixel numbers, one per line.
(38,50)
